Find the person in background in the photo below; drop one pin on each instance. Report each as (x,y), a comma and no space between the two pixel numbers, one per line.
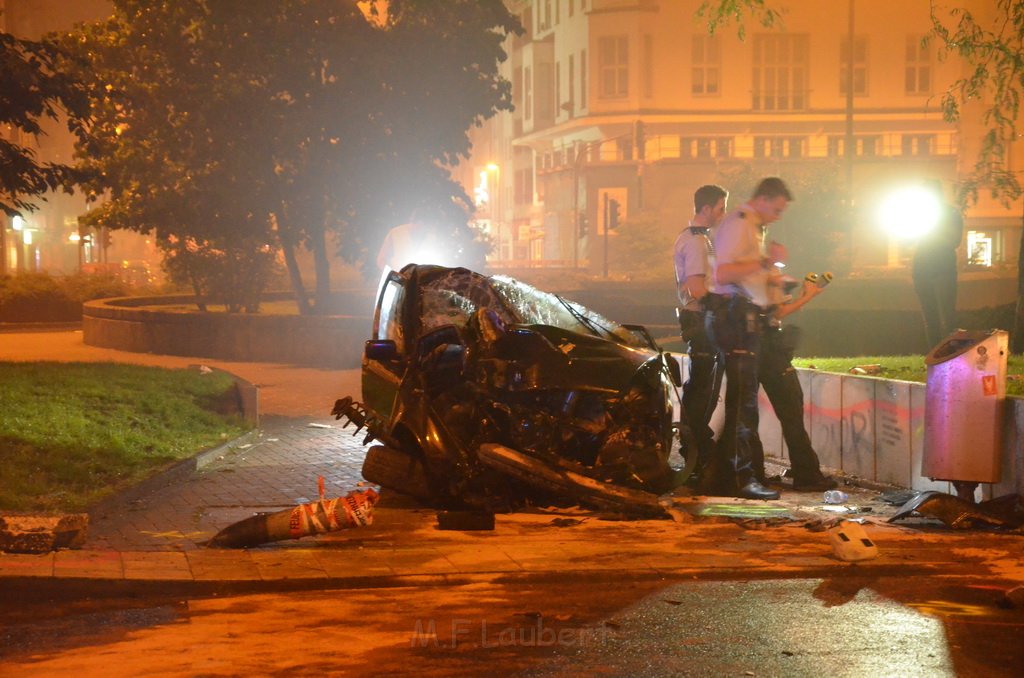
(418,241)
(935,269)
(693,257)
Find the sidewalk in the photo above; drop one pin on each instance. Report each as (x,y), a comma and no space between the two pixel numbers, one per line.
(151,537)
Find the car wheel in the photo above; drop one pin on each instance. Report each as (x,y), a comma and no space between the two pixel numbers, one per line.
(397,470)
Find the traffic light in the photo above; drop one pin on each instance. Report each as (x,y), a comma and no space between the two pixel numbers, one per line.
(583,224)
(614,214)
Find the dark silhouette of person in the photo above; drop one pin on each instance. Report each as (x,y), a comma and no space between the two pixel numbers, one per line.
(935,268)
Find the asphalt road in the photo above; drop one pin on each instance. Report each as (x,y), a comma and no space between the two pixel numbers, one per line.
(849,626)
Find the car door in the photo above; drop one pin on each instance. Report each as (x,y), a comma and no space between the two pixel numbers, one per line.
(385,354)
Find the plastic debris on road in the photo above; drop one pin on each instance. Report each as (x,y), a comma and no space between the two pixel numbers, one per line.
(851,543)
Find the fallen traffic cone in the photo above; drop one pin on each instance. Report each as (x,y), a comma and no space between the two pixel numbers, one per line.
(325,515)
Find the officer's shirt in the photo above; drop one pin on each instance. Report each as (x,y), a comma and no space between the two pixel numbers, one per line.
(693,255)
(740,238)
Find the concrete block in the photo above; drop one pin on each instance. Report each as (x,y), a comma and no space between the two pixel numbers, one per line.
(23,533)
(892,432)
(859,427)
(825,406)
(1012,460)
(768,427)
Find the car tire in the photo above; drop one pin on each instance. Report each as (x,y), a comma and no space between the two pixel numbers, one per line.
(397,470)
(587,491)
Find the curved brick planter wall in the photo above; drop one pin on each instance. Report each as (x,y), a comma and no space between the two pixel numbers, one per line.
(316,341)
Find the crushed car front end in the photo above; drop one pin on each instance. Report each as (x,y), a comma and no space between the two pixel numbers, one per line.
(459,360)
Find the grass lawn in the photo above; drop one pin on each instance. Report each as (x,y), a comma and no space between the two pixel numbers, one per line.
(908,368)
(73,433)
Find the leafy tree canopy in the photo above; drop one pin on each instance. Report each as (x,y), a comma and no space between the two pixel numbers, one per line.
(32,89)
(296,122)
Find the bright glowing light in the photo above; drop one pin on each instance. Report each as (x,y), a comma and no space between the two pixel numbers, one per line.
(26,237)
(17,223)
(491,167)
(908,213)
(74,237)
(480,192)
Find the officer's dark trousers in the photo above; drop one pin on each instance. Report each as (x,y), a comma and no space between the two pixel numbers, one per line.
(782,386)
(734,330)
(700,392)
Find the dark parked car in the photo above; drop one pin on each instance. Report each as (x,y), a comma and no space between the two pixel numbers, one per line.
(487,392)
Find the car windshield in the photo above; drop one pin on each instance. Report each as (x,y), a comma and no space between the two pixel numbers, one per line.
(454,297)
(534,307)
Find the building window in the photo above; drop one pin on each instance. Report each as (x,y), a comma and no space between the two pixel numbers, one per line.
(523,186)
(558,88)
(625,151)
(706,65)
(918,144)
(527,93)
(981,247)
(583,78)
(780,72)
(544,16)
(779,147)
(701,148)
(613,65)
(868,145)
(648,66)
(865,145)
(860,65)
(570,105)
(918,74)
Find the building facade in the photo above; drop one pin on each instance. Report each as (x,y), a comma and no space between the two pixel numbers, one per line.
(633,104)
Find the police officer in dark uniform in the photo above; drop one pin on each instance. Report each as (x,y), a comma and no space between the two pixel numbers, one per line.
(693,257)
(739,301)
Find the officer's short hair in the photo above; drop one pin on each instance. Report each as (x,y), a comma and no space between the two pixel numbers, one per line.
(773,187)
(709,195)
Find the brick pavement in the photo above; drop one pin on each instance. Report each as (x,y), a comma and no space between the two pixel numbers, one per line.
(271,470)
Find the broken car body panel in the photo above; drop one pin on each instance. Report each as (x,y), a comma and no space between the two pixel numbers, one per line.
(458,360)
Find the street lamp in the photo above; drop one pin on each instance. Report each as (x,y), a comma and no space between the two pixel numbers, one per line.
(910,212)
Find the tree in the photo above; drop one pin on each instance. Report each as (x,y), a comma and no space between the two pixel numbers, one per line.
(991,43)
(165,141)
(993,47)
(239,123)
(32,89)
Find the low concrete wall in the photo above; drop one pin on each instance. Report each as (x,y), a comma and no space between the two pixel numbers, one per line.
(316,341)
(873,429)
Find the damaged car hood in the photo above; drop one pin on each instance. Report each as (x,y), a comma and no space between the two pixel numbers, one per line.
(548,357)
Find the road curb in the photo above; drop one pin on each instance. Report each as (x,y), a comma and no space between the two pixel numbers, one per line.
(36,589)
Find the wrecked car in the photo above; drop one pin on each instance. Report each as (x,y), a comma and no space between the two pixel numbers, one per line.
(485,392)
